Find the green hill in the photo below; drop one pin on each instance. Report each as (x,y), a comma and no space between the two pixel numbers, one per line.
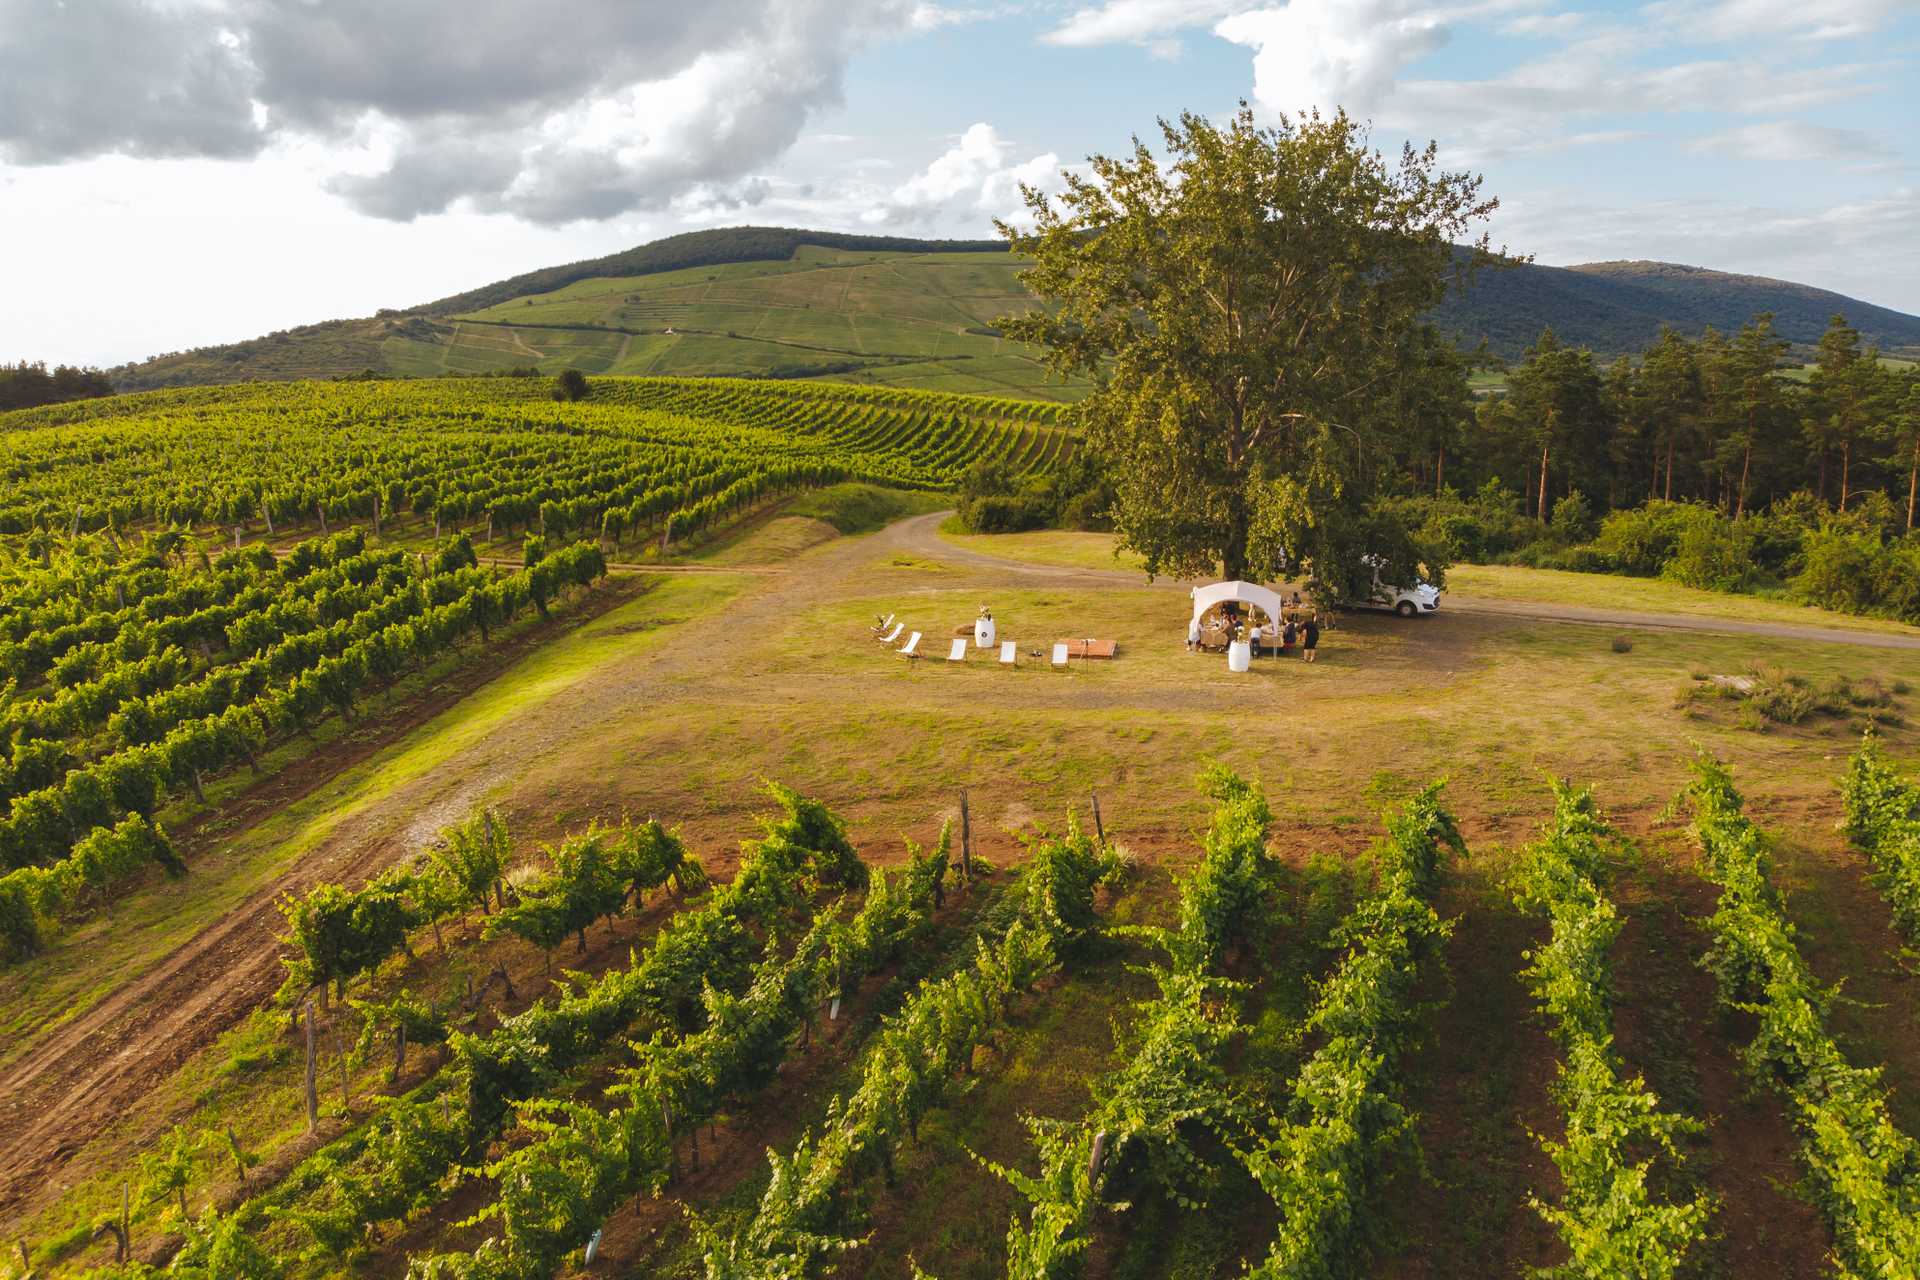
(1616,307)
(776,302)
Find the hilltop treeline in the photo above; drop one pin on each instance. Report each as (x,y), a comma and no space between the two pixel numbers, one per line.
(25,385)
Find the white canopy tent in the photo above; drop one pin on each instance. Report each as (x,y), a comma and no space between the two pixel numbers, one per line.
(1205,598)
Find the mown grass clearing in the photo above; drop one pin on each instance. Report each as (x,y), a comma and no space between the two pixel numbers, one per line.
(1646,595)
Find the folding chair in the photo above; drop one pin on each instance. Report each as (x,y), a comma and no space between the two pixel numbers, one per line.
(911,649)
(894,634)
(1060,656)
(1009,653)
(958,653)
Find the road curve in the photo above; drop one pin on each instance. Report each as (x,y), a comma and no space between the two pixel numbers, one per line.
(921,534)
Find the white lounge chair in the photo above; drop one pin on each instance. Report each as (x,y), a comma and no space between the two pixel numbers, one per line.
(958,653)
(1060,655)
(894,634)
(911,649)
(1009,653)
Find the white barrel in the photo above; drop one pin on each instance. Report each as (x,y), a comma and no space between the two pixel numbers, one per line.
(1239,655)
(983,633)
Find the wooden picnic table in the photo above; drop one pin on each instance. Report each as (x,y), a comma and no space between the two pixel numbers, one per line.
(1089,648)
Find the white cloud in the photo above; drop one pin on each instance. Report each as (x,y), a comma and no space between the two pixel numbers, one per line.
(933,17)
(1542,102)
(971,181)
(1792,140)
(563,110)
(1332,54)
(1545,24)
(1729,20)
(1143,22)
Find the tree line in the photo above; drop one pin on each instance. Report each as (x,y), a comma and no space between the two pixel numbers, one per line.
(1722,420)
(28,384)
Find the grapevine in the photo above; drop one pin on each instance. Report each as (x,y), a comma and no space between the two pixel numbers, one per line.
(1864,1171)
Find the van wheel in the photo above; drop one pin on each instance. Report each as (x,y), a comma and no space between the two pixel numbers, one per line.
(1405,609)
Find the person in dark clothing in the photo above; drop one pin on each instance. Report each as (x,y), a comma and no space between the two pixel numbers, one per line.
(1288,634)
(1309,637)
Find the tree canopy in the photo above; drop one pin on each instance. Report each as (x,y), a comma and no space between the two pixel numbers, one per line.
(1251,310)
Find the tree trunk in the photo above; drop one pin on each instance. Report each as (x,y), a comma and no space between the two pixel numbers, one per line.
(1846,470)
(1823,477)
(1746,469)
(1913,482)
(1439,472)
(1543,481)
(1669,492)
(313,1058)
(1233,550)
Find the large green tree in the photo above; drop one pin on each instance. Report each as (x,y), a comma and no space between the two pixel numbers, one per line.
(1670,399)
(1843,382)
(1246,308)
(1554,402)
(1903,429)
(1757,398)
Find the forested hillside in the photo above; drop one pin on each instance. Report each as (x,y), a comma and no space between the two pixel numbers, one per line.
(1617,307)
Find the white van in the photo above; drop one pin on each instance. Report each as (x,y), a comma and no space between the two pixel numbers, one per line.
(1406,601)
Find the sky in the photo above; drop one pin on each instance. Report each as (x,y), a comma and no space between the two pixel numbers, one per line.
(178,173)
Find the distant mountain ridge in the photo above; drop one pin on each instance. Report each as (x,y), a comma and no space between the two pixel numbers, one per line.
(1612,307)
(1616,307)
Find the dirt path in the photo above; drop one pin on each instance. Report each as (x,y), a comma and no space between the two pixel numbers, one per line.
(921,535)
(73,1086)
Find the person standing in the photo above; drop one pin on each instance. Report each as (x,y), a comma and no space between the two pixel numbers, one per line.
(1309,636)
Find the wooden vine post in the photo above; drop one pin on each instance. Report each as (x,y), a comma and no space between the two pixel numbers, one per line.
(966,842)
(346,1077)
(313,1054)
(1099,830)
